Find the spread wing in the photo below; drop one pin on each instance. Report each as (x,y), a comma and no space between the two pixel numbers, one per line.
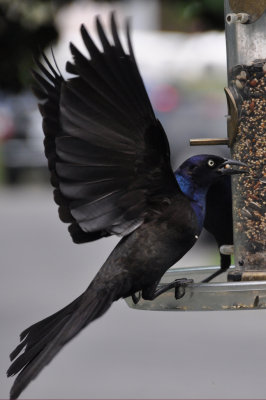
(108,155)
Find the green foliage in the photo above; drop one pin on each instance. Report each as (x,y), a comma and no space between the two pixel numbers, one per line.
(25,27)
(192,15)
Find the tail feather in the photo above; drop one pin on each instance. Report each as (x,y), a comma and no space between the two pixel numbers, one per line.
(43,340)
(36,347)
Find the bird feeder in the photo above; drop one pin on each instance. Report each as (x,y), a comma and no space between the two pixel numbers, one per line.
(245,285)
(246,66)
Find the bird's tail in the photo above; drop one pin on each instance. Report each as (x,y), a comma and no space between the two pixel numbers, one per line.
(43,340)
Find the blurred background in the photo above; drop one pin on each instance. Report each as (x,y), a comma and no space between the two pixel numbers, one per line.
(180,49)
(179,46)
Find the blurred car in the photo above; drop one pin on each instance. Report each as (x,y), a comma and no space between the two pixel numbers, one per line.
(22,142)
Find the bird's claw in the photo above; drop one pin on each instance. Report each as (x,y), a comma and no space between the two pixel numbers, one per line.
(152,293)
(136,297)
(180,287)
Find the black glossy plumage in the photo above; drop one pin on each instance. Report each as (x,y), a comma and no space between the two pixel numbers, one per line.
(110,166)
(219,217)
(111,162)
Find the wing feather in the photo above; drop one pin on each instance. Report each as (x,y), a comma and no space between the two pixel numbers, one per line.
(108,155)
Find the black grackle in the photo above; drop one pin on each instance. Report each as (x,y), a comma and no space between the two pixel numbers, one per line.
(110,165)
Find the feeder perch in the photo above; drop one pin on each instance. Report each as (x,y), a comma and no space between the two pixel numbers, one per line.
(245,285)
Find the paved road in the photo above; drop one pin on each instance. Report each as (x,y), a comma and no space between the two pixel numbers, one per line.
(127,353)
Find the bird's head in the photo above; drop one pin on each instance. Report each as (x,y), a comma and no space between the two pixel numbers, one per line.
(204,169)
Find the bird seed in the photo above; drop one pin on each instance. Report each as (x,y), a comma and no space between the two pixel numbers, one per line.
(248,85)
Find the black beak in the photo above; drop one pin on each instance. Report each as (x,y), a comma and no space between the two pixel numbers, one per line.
(229,167)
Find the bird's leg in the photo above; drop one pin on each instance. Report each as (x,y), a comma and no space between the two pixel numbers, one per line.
(136,298)
(212,276)
(225,264)
(151,292)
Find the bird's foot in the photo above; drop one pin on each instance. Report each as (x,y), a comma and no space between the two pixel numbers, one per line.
(136,297)
(179,285)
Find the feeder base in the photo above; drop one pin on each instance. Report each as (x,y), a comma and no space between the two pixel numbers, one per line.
(213,296)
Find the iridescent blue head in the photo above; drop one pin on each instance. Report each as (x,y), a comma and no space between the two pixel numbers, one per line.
(196,175)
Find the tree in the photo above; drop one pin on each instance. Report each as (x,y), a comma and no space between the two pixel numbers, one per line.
(25,27)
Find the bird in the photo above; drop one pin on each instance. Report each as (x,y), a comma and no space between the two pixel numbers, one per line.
(109,160)
(218,219)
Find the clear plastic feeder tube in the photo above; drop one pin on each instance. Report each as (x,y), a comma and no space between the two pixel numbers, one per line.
(245,26)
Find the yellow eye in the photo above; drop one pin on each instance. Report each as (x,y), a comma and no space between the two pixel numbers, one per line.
(211,163)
